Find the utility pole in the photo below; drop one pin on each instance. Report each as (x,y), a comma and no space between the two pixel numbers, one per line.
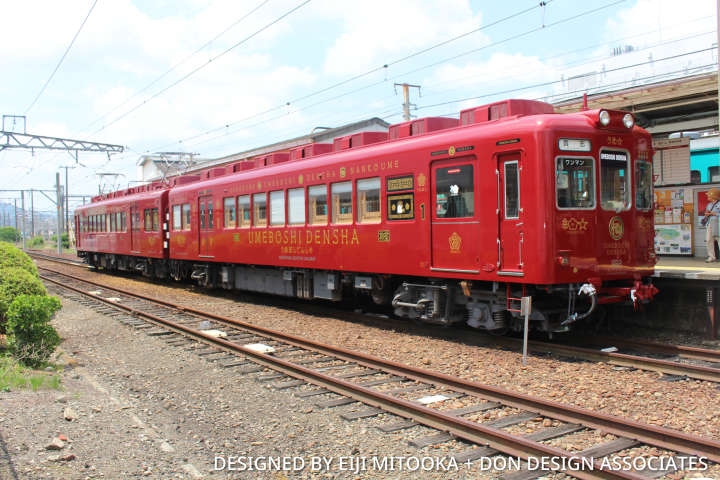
(32,214)
(59,204)
(67,198)
(406,98)
(16,219)
(22,234)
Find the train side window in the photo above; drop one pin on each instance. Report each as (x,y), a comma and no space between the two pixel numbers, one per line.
(341,194)
(454,192)
(260,209)
(155,220)
(202,216)
(123,221)
(210,218)
(112,222)
(512,190)
(229,212)
(575,182)
(277,207)
(243,212)
(368,191)
(296,206)
(186,216)
(317,205)
(643,189)
(148,220)
(177,217)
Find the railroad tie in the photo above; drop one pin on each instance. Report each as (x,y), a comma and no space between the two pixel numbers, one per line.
(434,439)
(370,412)
(395,426)
(290,384)
(312,393)
(510,420)
(338,402)
(269,377)
(481,407)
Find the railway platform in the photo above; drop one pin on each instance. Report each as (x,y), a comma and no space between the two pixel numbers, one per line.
(689,296)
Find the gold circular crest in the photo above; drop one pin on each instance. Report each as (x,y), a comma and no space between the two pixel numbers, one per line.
(451,151)
(617,228)
(342,172)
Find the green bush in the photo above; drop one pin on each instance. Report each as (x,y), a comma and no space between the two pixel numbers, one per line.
(9,234)
(30,336)
(65,240)
(16,281)
(37,241)
(11,256)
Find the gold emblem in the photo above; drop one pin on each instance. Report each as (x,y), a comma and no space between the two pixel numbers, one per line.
(455,241)
(342,172)
(421,180)
(300,179)
(617,228)
(574,225)
(259,185)
(451,151)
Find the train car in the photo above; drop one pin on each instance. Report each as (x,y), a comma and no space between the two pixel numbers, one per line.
(125,230)
(445,221)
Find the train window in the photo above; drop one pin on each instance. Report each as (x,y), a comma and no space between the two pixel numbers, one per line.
(202,215)
(148,220)
(341,194)
(277,207)
(155,220)
(210,218)
(296,206)
(574,182)
(512,190)
(368,191)
(123,222)
(614,180)
(112,222)
(260,209)
(454,192)
(243,211)
(177,217)
(229,212)
(317,203)
(643,189)
(186,216)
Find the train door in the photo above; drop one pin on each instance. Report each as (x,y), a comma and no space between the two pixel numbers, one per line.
(511,236)
(205,207)
(135,228)
(454,219)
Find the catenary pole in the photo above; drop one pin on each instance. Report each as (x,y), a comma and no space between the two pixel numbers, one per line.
(59,204)
(22,234)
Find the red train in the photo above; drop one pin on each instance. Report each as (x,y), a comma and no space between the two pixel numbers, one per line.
(445,220)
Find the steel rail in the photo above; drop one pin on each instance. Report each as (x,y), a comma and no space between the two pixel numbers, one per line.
(457,426)
(649,434)
(691,353)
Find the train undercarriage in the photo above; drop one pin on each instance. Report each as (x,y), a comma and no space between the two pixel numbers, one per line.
(490,306)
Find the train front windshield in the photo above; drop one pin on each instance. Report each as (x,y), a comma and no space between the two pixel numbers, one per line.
(574,179)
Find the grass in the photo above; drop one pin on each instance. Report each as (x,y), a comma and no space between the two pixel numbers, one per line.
(14,376)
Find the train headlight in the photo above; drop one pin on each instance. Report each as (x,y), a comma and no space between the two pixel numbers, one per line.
(628,121)
(604,118)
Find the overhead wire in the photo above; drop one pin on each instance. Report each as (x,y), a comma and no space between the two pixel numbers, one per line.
(178,64)
(492,44)
(197,69)
(57,67)
(371,71)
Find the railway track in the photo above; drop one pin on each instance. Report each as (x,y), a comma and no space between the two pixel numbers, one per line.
(387,387)
(675,362)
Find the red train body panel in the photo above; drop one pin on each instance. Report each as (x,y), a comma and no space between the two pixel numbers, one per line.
(451,222)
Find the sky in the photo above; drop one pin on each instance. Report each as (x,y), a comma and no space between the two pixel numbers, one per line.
(216,77)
